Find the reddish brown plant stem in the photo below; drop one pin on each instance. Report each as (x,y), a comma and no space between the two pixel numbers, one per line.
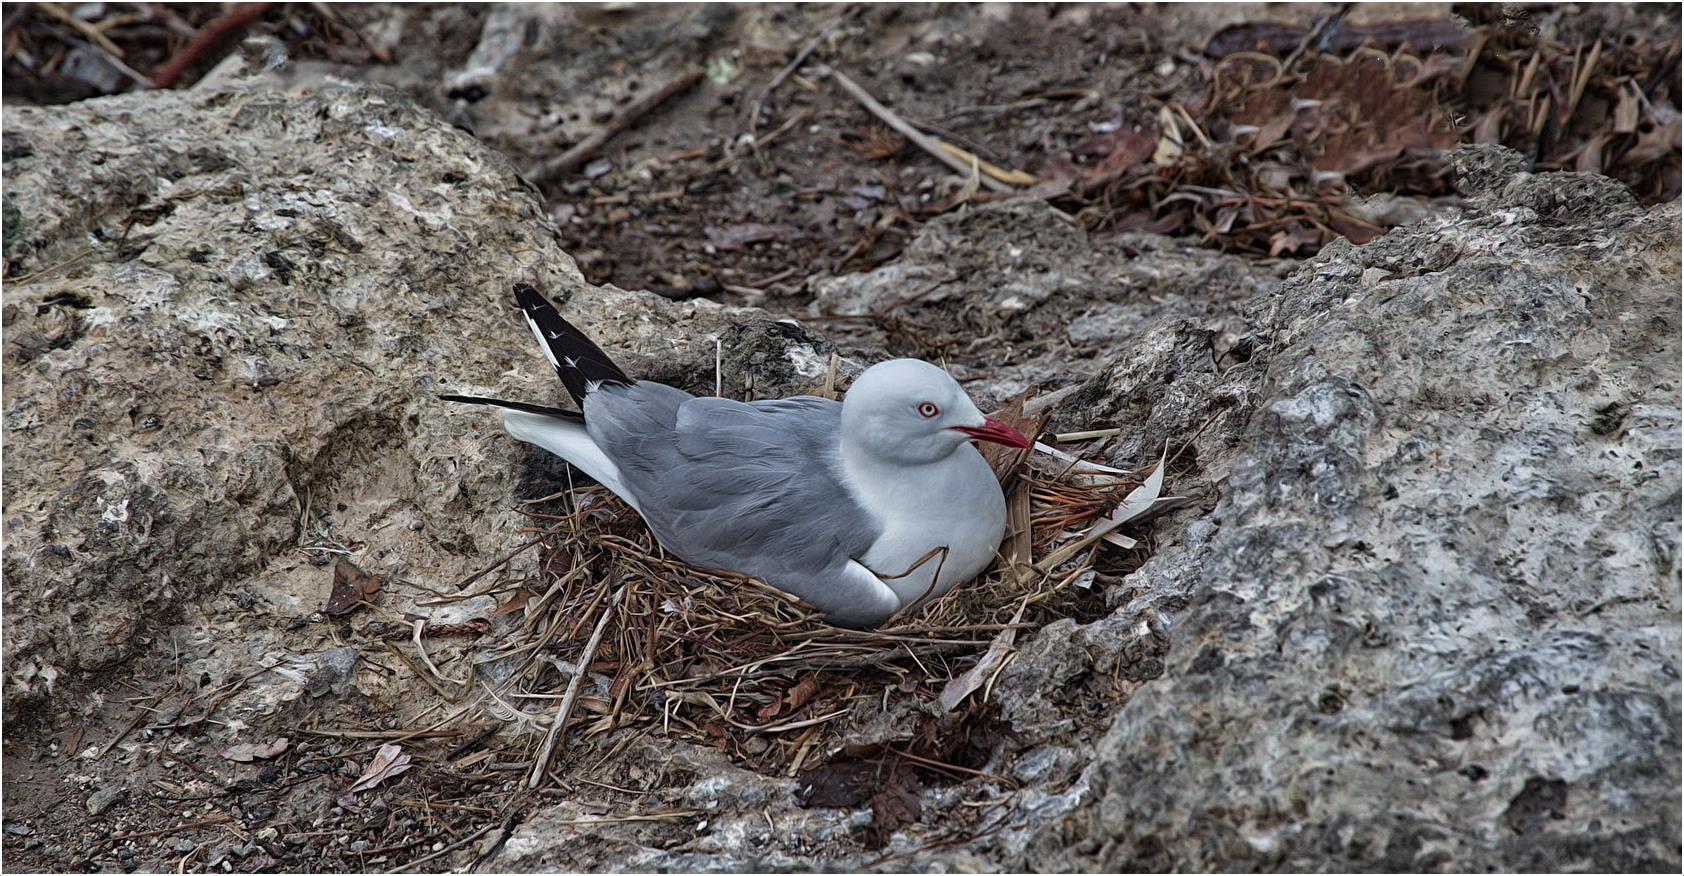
(208,36)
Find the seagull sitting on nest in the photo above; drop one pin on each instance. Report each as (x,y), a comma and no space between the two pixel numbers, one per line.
(861,508)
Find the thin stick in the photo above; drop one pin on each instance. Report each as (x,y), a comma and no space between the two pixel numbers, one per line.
(565,709)
(622,819)
(98,37)
(191,825)
(792,66)
(584,149)
(919,138)
(446,850)
(463,584)
(940,765)
(378,734)
(779,728)
(208,36)
(45,271)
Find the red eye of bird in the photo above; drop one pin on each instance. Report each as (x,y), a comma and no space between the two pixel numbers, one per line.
(928,409)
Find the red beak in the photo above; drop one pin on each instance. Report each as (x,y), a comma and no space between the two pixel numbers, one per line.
(995,431)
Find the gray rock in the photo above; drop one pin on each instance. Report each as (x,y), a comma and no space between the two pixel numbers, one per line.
(103,799)
(208,334)
(1426,615)
(1059,303)
(337,664)
(1436,626)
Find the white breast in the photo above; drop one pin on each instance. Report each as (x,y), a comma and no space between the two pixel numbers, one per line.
(955,503)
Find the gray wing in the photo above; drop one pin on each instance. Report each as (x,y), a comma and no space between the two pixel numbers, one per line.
(750,488)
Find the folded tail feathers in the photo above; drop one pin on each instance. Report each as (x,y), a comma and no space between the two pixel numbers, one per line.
(568,440)
(526,407)
(578,361)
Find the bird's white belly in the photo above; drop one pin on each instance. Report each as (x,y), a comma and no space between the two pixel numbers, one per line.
(964,514)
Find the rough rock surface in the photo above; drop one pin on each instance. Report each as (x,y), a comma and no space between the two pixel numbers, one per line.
(1426,615)
(1056,303)
(1430,623)
(1433,622)
(228,319)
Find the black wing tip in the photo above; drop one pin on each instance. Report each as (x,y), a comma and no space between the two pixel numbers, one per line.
(568,344)
(530,298)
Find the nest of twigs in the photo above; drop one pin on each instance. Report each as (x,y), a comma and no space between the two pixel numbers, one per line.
(613,633)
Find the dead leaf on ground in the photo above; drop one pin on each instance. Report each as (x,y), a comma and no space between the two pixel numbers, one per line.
(389,761)
(735,237)
(892,807)
(992,659)
(515,603)
(246,752)
(351,587)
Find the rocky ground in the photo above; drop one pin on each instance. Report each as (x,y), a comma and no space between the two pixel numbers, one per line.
(1420,611)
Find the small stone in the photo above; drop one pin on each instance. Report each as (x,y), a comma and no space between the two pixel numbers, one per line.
(104,799)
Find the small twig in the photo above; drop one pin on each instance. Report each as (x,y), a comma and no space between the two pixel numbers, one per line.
(208,36)
(326,11)
(620,819)
(98,37)
(943,152)
(1014,177)
(391,735)
(191,825)
(884,310)
(792,66)
(397,652)
(1068,437)
(584,149)
(779,728)
(936,764)
(446,850)
(564,711)
(416,628)
(139,78)
(463,584)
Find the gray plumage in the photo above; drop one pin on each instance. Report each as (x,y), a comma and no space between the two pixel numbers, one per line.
(836,503)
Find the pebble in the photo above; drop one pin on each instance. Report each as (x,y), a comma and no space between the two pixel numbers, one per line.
(104,799)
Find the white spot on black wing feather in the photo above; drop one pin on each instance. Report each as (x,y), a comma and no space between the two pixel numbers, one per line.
(579,362)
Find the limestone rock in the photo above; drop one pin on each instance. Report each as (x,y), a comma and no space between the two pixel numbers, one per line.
(227,321)
(1433,621)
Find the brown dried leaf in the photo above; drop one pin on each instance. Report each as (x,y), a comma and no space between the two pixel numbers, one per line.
(1628,111)
(1123,148)
(803,691)
(515,603)
(1005,460)
(892,807)
(351,587)
(245,752)
(878,143)
(389,761)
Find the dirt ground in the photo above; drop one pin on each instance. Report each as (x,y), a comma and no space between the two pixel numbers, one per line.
(755,182)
